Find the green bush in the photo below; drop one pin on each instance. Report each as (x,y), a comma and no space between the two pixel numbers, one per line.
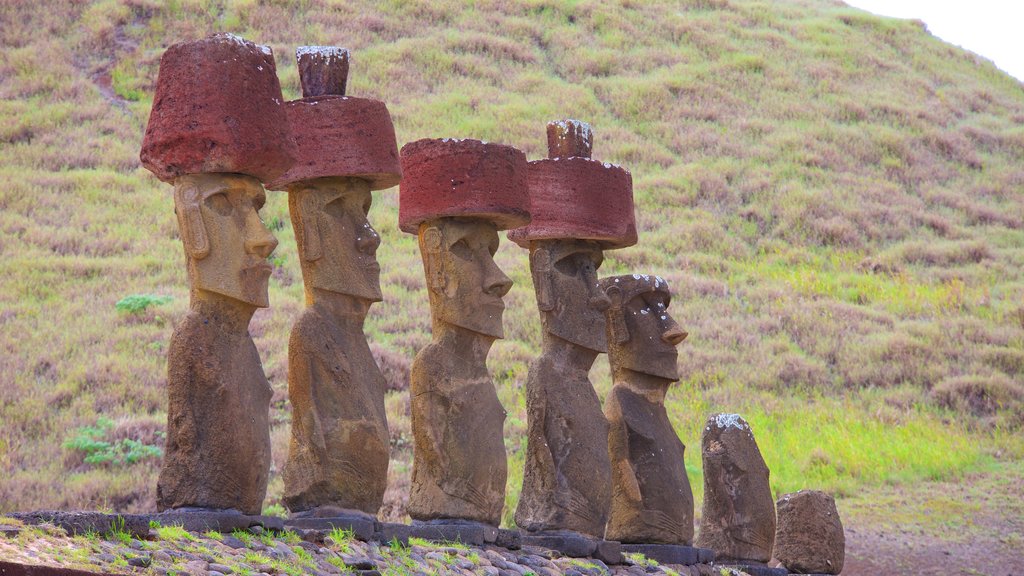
(137,303)
(94,442)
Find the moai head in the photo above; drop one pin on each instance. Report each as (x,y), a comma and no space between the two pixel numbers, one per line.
(456,195)
(345,148)
(580,208)
(642,335)
(216,130)
(226,242)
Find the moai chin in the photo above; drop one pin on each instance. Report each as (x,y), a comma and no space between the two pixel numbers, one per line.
(579,208)
(345,149)
(651,498)
(456,195)
(738,517)
(215,132)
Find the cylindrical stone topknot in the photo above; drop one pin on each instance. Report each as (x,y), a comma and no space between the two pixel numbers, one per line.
(570,138)
(323,70)
(462,178)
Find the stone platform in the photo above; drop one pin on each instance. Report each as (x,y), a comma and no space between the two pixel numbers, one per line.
(755,568)
(672,553)
(575,545)
(362,526)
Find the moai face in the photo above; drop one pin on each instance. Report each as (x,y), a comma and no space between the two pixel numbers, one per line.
(644,334)
(466,286)
(337,244)
(572,304)
(226,242)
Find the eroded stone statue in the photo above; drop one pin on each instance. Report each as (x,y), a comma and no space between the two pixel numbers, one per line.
(738,518)
(651,497)
(345,148)
(579,208)
(216,142)
(456,195)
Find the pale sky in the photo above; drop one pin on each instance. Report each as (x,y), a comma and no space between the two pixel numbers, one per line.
(990,28)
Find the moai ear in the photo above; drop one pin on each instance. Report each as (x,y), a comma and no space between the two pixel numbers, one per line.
(616,317)
(432,240)
(312,248)
(540,264)
(190,220)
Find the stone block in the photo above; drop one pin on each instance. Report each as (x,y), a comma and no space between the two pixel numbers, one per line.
(757,569)
(363,528)
(462,178)
(217,108)
(194,520)
(466,532)
(388,532)
(84,522)
(671,553)
(809,536)
(15,569)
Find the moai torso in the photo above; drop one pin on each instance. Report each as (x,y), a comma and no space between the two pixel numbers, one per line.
(339,449)
(345,149)
(738,517)
(651,497)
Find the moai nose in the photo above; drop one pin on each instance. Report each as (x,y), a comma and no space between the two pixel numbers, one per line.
(368,240)
(259,240)
(674,335)
(496,282)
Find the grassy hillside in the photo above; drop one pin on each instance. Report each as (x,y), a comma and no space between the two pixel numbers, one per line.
(836,199)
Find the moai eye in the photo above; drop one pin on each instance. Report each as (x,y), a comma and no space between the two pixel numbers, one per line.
(219,204)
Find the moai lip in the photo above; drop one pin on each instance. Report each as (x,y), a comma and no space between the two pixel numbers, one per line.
(809,538)
(456,195)
(216,130)
(336,472)
(738,518)
(567,478)
(217,108)
(651,498)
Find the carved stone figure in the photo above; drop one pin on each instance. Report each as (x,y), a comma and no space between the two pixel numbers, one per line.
(809,538)
(738,518)
(579,208)
(216,131)
(345,148)
(456,195)
(651,497)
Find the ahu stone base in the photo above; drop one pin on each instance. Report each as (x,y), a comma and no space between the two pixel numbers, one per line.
(671,553)
(575,545)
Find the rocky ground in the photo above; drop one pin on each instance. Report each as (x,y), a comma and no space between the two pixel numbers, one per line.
(172,550)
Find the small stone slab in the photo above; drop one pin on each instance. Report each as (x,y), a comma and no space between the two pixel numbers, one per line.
(466,532)
(219,520)
(671,553)
(387,532)
(510,539)
(609,552)
(575,545)
(757,569)
(14,569)
(362,528)
(84,522)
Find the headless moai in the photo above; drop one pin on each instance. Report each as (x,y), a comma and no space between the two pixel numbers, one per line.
(456,195)
(345,148)
(652,502)
(579,208)
(738,518)
(809,538)
(217,130)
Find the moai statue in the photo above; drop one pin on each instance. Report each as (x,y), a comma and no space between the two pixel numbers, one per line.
(579,207)
(652,503)
(217,129)
(456,195)
(738,518)
(809,538)
(345,148)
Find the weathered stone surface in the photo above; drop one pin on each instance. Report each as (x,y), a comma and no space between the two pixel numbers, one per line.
(465,179)
(15,569)
(339,450)
(651,498)
(567,542)
(738,518)
(199,520)
(809,538)
(388,532)
(459,462)
(667,553)
(85,522)
(363,526)
(570,139)
(342,136)
(217,108)
(753,569)
(217,454)
(470,533)
(323,70)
